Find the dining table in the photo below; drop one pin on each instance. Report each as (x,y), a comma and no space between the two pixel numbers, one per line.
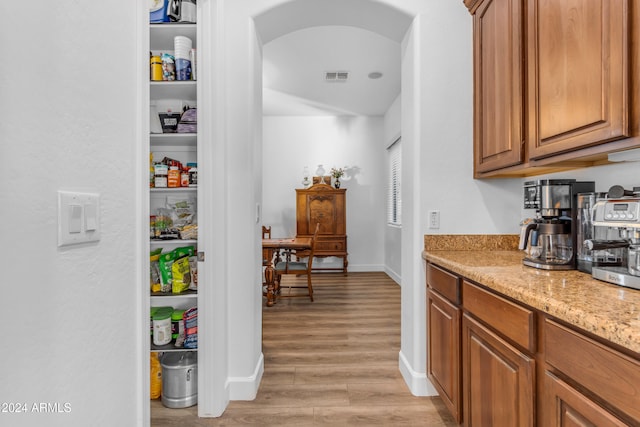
(278,248)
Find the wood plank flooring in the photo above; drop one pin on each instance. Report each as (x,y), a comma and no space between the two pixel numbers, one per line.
(331,362)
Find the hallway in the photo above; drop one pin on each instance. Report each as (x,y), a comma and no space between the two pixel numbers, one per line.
(333,362)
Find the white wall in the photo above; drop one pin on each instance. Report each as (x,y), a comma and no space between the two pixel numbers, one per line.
(293,142)
(69,108)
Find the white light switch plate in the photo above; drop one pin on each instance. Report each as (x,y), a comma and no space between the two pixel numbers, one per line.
(78,217)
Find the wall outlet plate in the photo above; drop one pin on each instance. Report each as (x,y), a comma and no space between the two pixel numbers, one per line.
(434,219)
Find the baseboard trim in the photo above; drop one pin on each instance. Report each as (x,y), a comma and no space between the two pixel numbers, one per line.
(417,382)
(246,388)
(395,276)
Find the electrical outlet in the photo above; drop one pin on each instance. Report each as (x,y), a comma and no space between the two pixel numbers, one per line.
(434,219)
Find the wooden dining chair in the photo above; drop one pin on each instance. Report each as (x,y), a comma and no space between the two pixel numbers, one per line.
(267,254)
(299,268)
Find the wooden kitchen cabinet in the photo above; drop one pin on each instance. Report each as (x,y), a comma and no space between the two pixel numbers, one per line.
(498,379)
(578,68)
(567,407)
(498,27)
(323,204)
(586,382)
(498,365)
(443,337)
(555,84)
(497,362)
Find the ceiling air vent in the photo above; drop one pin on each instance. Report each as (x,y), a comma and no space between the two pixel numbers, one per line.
(336,76)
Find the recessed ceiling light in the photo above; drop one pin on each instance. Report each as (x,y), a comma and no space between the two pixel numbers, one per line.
(375,75)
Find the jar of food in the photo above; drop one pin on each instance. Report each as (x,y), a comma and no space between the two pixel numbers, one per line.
(161,172)
(193,177)
(173,178)
(184,178)
(162,325)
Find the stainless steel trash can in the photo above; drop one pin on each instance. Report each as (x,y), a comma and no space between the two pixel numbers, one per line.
(179,379)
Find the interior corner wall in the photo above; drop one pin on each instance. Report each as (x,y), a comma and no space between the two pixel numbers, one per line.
(293,142)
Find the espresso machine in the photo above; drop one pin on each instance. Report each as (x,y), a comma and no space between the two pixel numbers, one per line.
(549,240)
(616,244)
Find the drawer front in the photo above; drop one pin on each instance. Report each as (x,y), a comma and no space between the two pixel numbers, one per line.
(604,371)
(331,245)
(444,282)
(511,320)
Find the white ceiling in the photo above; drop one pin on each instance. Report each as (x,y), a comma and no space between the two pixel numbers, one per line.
(295,65)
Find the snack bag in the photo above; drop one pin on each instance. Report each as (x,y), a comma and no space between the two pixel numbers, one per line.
(165,262)
(154,279)
(181,269)
(181,272)
(191,328)
(156,376)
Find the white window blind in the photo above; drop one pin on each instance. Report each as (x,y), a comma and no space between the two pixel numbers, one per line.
(394,198)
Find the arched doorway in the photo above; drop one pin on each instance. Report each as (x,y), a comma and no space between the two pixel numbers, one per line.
(230,355)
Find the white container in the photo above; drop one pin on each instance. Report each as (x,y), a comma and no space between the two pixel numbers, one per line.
(162,326)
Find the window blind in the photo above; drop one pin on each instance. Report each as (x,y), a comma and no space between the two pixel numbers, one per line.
(394,198)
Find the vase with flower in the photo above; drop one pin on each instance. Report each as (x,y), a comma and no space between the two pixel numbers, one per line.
(337,173)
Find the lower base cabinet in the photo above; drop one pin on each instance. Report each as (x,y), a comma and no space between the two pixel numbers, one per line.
(443,367)
(567,407)
(496,362)
(498,379)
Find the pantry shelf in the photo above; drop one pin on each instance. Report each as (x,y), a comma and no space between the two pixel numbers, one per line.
(189,140)
(175,89)
(168,347)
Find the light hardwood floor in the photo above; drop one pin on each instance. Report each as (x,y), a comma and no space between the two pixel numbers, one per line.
(333,362)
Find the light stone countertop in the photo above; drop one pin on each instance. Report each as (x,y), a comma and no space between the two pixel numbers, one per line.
(609,311)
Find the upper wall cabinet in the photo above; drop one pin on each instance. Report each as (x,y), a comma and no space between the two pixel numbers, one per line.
(498,81)
(578,67)
(554,84)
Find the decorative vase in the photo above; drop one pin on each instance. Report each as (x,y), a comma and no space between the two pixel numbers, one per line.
(320,172)
(337,183)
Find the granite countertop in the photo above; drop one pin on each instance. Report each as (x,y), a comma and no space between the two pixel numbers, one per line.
(608,311)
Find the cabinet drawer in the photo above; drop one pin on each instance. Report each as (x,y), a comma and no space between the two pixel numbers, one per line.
(512,320)
(605,372)
(444,282)
(330,245)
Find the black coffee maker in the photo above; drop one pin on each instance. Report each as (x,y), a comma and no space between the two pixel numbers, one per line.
(549,239)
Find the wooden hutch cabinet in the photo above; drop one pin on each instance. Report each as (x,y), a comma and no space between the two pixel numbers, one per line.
(321,203)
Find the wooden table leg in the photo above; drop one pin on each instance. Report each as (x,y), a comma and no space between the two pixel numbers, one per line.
(269,275)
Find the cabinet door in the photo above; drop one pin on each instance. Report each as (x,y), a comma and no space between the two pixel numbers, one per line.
(566,407)
(325,206)
(498,379)
(578,74)
(498,84)
(443,352)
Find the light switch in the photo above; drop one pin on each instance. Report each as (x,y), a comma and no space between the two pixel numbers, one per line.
(78,217)
(75,218)
(91,223)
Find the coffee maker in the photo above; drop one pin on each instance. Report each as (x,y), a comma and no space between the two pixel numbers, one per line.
(616,221)
(549,239)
